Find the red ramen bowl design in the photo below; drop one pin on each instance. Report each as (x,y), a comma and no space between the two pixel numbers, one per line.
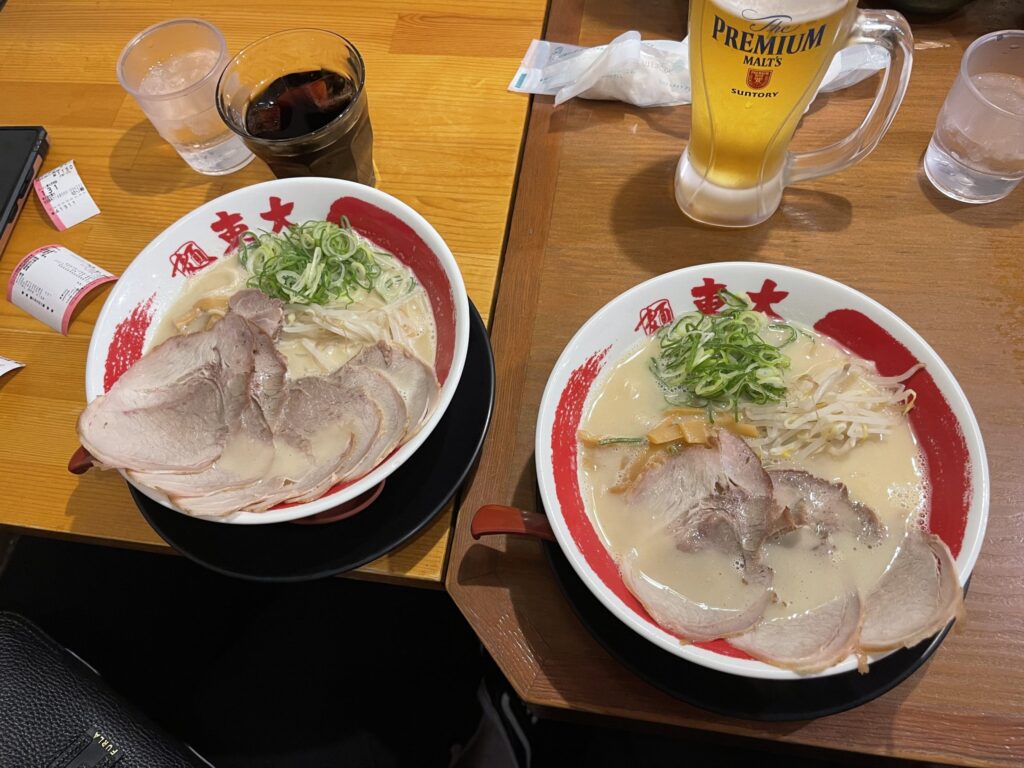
(157,276)
(956,471)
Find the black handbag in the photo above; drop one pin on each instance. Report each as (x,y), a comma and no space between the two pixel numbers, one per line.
(56,712)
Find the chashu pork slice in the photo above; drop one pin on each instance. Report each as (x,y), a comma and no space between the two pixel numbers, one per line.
(248,454)
(325,428)
(670,486)
(289,465)
(174,409)
(810,641)
(825,507)
(351,409)
(394,416)
(689,619)
(718,496)
(265,313)
(393,422)
(269,379)
(375,393)
(415,380)
(384,397)
(915,598)
(249,450)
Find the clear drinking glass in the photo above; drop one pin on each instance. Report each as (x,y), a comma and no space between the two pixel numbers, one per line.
(171,70)
(297,98)
(976,154)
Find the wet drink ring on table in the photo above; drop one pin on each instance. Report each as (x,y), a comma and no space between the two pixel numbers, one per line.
(297,100)
(755,66)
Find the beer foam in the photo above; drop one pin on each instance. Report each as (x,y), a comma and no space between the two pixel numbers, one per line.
(798,11)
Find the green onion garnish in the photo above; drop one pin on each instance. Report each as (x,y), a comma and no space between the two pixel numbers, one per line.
(621,440)
(312,263)
(719,361)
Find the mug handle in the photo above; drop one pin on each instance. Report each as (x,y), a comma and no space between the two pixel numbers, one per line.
(889,30)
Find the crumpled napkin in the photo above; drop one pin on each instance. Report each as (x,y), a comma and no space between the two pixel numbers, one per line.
(650,73)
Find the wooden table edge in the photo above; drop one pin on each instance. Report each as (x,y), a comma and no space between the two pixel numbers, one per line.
(9,535)
(739,729)
(524,247)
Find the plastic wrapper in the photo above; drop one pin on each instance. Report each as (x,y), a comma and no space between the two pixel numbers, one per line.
(649,73)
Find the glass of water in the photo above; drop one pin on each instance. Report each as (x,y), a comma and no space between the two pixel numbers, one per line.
(172,69)
(976,154)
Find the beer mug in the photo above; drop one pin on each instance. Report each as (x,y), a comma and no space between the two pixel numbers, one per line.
(755,65)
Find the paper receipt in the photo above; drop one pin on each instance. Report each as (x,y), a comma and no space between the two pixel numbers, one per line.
(6,366)
(64,197)
(49,283)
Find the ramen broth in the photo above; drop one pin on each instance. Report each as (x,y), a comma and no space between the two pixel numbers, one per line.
(884,474)
(309,350)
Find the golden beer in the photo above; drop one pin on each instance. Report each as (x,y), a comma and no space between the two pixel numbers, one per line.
(755,65)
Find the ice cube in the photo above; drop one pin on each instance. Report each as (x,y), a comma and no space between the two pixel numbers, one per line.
(329,93)
(263,117)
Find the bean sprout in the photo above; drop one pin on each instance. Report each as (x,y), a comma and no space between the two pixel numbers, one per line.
(831,409)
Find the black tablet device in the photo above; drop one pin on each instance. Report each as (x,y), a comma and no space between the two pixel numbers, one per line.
(22,150)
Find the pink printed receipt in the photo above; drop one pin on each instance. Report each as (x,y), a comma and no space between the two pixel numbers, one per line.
(49,283)
(64,197)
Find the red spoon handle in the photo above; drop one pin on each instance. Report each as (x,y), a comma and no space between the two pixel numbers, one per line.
(495,518)
(81,462)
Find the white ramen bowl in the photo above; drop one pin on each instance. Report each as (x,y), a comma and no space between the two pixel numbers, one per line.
(155,278)
(947,432)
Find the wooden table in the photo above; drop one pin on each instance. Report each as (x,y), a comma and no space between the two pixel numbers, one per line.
(595,214)
(447,139)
